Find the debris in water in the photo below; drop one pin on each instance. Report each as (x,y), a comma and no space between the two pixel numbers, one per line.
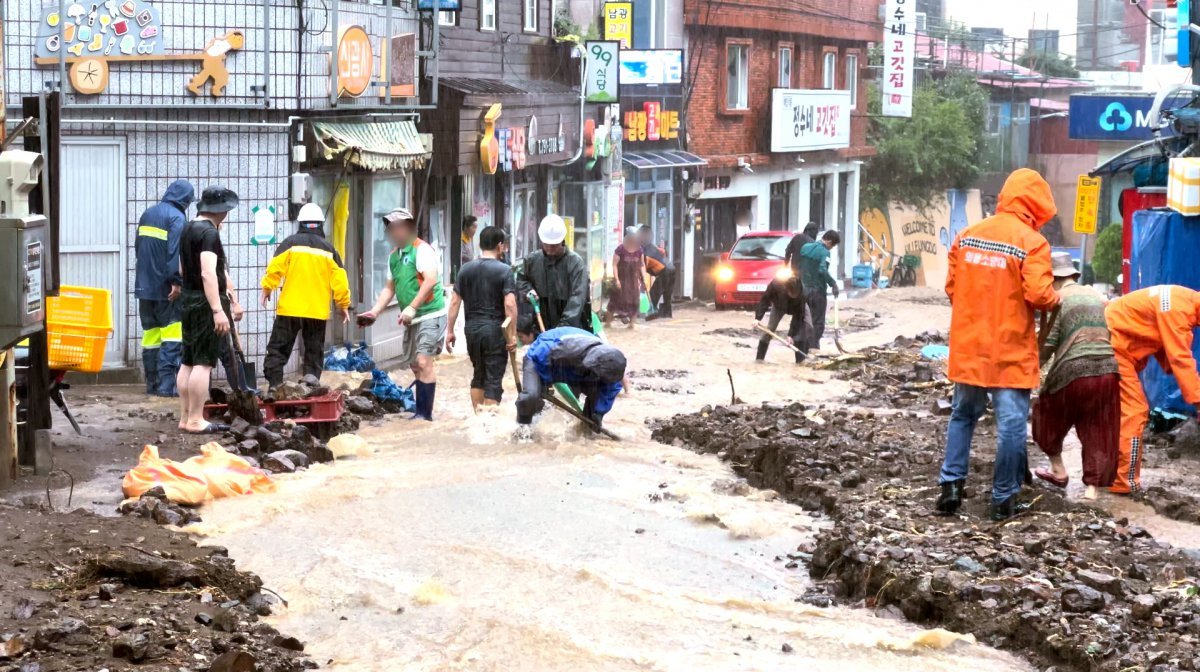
(431,592)
(937,638)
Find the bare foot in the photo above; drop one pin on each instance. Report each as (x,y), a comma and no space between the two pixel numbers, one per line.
(1090,492)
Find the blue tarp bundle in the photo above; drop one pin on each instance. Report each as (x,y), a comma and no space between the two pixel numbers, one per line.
(387,390)
(1164,249)
(349,358)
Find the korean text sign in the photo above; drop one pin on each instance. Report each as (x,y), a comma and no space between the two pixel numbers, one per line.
(899,51)
(804,120)
(603,79)
(618,23)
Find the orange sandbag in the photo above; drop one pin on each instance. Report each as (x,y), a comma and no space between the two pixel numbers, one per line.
(229,475)
(184,483)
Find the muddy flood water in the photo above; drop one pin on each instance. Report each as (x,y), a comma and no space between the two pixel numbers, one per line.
(454,548)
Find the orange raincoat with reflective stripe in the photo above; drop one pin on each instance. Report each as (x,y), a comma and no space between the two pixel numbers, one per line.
(999,275)
(1158,322)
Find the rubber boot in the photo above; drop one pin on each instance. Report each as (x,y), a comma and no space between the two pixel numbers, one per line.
(762,350)
(150,365)
(425,394)
(1008,508)
(951,497)
(169,356)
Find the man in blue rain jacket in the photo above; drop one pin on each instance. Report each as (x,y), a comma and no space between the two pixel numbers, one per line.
(158,286)
(592,368)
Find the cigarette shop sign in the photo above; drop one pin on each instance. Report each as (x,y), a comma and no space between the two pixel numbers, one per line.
(805,120)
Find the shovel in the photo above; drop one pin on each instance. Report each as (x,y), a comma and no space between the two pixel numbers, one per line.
(787,343)
(837,324)
(243,402)
(592,424)
(511,337)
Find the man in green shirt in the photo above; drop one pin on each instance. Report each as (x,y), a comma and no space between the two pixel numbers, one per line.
(416,285)
(814,269)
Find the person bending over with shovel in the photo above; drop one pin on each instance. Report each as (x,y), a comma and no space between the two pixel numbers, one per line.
(592,368)
(783,297)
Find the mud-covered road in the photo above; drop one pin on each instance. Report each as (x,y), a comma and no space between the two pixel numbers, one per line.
(453,548)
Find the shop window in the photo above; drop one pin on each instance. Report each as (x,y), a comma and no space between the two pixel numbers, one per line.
(487,14)
(525,220)
(737,76)
(852,79)
(829,70)
(783,77)
(387,193)
(531,15)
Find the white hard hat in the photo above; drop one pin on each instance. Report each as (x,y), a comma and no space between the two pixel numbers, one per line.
(311,212)
(552,230)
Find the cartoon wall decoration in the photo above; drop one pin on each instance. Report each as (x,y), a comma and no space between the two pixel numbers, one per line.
(94,34)
(927,234)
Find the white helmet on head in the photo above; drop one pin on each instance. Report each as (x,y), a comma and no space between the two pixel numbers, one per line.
(311,214)
(552,230)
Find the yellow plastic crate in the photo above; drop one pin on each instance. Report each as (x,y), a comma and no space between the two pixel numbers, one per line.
(78,325)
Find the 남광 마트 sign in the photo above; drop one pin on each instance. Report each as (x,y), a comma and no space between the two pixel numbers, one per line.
(804,120)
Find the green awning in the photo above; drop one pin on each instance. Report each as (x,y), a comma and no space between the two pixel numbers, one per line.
(372,145)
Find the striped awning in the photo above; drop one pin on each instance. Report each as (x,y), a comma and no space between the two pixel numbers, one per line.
(662,158)
(373,145)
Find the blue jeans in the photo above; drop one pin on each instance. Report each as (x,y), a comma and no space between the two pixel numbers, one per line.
(1012,409)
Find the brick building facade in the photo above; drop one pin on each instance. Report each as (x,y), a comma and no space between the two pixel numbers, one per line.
(777,106)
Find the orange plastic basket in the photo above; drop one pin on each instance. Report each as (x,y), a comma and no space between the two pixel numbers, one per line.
(78,325)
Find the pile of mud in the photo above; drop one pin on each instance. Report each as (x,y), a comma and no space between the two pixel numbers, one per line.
(1064,584)
(897,376)
(81,592)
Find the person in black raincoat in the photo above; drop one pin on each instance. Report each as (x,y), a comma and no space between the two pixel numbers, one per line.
(157,287)
(558,278)
(784,296)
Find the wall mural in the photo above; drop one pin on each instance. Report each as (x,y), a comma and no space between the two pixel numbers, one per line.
(93,35)
(928,235)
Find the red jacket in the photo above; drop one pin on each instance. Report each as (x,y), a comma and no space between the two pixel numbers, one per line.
(999,275)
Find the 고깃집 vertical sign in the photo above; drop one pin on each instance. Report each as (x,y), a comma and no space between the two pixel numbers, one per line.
(899,51)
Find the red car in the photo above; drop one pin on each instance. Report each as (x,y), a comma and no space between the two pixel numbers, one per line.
(743,273)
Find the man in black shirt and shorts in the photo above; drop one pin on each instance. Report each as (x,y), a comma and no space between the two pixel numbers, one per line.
(488,288)
(209,305)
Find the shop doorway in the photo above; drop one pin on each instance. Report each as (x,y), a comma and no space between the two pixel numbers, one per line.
(781,199)
(715,233)
(94,245)
(816,203)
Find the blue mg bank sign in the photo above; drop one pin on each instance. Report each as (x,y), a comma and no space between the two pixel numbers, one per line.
(1121,117)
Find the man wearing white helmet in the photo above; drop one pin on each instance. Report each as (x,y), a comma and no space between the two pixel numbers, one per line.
(557,279)
(312,276)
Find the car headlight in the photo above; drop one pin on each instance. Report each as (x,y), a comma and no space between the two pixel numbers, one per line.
(784,273)
(724,274)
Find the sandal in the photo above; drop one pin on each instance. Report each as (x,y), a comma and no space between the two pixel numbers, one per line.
(210,428)
(1049,477)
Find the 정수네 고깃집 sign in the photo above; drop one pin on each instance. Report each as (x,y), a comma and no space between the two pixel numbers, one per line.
(618,23)
(603,80)
(899,51)
(1087,204)
(804,120)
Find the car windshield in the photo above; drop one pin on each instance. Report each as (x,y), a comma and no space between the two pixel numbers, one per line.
(759,248)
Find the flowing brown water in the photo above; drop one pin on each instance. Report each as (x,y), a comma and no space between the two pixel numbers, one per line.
(453,548)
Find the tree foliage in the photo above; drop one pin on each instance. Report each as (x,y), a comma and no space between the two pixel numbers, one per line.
(1051,65)
(937,149)
(1106,259)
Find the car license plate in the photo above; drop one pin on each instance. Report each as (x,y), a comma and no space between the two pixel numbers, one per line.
(751,287)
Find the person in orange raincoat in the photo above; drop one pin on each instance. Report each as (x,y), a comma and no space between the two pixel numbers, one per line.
(999,275)
(1153,322)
